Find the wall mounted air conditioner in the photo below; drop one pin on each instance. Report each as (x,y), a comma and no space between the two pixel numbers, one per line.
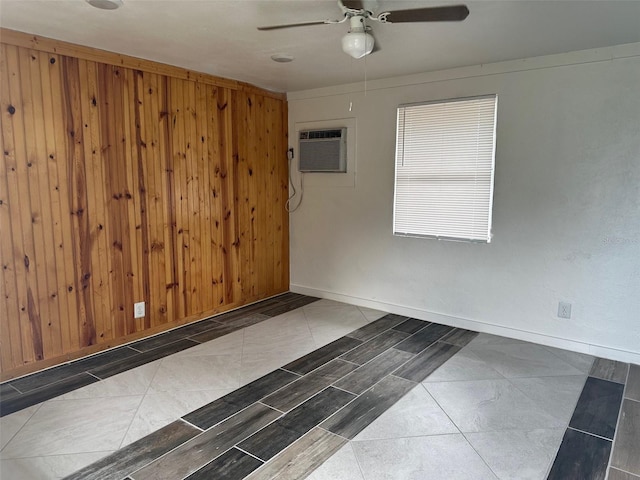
(323,150)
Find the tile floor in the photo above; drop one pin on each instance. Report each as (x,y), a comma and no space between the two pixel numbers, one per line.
(499,408)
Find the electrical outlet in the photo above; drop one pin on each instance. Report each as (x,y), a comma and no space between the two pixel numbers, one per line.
(564,310)
(138,310)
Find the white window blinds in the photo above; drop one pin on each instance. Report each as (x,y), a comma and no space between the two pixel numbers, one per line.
(445,157)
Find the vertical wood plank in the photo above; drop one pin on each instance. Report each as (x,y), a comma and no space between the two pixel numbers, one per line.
(133,233)
(96,285)
(26,283)
(60,164)
(81,230)
(53,191)
(142,203)
(119,186)
(180,197)
(168,188)
(11,332)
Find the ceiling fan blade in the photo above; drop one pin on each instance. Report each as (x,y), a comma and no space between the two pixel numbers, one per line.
(353,4)
(453,13)
(291,25)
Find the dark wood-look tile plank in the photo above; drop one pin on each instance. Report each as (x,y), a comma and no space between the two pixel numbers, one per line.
(411,326)
(322,355)
(247,320)
(609,370)
(292,296)
(632,389)
(287,307)
(581,456)
(158,340)
(425,337)
(248,310)
(198,327)
(233,465)
(213,333)
(374,347)
(301,458)
(425,363)
(615,474)
(459,337)
(207,446)
(370,373)
(297,392)
(216,411)
(626,450)
(598,407)
(52,390)
(377,327)
(275,437)
(125,364)
(130,458)
(55,374)
(7,392)
(353,418)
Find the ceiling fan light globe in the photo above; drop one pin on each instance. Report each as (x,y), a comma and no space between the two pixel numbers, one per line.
(105,4)
(357,44)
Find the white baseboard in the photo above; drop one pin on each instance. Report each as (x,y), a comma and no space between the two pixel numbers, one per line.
(475,325)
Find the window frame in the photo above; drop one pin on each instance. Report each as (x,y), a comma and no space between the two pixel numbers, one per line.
(489,234)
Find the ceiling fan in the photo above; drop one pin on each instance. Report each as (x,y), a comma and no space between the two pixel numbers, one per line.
(358,42)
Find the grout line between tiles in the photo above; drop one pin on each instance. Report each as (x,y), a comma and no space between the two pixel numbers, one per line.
(622,470)
(296,373)
(346,391)
(192,425)
(144,396)
(274,408)
(250,454)
(15,388)
(94,376)
(23,425)
(591,434)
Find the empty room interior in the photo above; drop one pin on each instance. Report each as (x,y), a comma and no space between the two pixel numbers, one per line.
(322,239)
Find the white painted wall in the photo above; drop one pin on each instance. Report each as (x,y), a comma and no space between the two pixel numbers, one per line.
(566,218)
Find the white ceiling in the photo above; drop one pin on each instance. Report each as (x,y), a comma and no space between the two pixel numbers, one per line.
(220,36)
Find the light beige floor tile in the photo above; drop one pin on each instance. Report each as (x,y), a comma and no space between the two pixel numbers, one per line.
(490,405)
(330,322)
(489,339)
(341,466)
(555,395)
(230,344)
(47,468)
(525,455)
(191,373)
(11,424)
(74,426)
(464,365)
(522,360)
(132,382)
(416,414)
(160,409)
(372,314)
(255,365)
(426,458)
(581,361)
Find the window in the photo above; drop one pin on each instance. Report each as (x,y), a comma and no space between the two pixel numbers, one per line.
(445,157)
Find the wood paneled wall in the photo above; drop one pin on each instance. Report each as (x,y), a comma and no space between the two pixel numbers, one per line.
(120,185)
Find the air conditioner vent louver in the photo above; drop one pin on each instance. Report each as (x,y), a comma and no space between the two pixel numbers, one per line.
(323,150)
